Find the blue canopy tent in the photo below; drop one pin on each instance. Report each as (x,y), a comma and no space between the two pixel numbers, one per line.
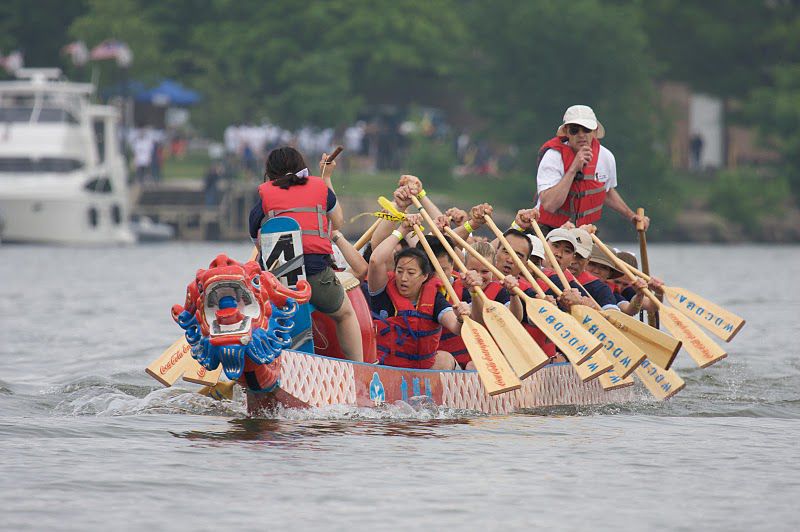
(169,94)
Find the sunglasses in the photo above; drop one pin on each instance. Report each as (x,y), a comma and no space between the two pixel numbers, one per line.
(574,129)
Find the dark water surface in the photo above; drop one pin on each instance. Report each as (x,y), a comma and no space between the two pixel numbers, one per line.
(89,442)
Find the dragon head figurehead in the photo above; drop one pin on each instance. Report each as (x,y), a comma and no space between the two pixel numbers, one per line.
(234,312)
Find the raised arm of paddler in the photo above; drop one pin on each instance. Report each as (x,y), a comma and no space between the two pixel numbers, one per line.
(402,200)
(326,167)
(358,266)
(472,279)
(477,218)
(415,186)
(384,252)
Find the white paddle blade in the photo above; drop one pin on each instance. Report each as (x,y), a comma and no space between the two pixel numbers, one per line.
(659,347)
(624,354)
(662,383)
(700,347)
(723,323)
(493,369)
(521,351)
(172,363)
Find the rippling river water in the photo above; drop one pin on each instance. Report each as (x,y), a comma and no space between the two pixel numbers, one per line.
(89,442)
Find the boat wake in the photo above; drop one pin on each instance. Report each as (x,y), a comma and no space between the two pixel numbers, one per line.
(94,396)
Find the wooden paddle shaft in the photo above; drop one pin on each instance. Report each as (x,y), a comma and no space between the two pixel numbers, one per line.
(436,266)
(446,245)
(642,240)
(435,230)
(623,267)
(483,260)
(549,252)
(523,270)
(361,242)
(541,275)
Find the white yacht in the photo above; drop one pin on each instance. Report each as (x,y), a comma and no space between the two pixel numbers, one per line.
(63,177)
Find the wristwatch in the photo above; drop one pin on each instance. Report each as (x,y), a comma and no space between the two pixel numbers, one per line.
(336,236)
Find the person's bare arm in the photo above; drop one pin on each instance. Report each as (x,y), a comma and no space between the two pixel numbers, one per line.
(415,186)
(615,201)
(477,218)
(336,215)
(451,321)
(358,266)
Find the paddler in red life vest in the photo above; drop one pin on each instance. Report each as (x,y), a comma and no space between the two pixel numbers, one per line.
(408,306)
(290,191)
(477,275)
(587,281)
(577,176)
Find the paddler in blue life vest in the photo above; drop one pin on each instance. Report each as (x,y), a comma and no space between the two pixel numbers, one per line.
(577,176)
(408,306)
(290,191)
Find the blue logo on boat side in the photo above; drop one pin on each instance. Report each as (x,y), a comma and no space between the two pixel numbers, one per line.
(415,386)
(404,388)
(376,392)
(428,388)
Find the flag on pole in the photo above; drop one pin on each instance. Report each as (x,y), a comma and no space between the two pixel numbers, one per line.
(112,49)
(12,62)
(77,52)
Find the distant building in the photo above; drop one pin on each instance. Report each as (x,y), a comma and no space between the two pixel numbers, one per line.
(701,139)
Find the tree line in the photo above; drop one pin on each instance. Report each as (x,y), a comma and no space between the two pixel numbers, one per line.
(514,65)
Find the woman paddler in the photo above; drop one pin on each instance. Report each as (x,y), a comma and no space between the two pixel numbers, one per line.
(409,307)
(290,191)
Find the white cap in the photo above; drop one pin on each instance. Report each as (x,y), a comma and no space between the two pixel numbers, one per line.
(584,240)
(582,115)
(536,247)
(559,234)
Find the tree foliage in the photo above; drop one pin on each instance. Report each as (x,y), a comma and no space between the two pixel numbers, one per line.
(516,65)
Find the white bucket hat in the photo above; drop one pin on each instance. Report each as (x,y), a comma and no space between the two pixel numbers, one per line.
(582,115)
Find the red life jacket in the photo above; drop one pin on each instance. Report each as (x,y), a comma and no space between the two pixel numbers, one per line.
(307,204)
(586,277)
(614,287)
(584,201)
(549,272)
(453,343)
(538,336)
(410,338)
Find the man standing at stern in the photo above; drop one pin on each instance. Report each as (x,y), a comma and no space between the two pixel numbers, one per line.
(577,176)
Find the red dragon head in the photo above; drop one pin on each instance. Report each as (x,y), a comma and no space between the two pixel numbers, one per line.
(227,314)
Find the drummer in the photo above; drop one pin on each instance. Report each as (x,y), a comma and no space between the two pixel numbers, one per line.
(408,307)
(290,191)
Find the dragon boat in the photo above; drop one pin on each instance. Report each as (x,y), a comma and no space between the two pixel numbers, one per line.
(261,333)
